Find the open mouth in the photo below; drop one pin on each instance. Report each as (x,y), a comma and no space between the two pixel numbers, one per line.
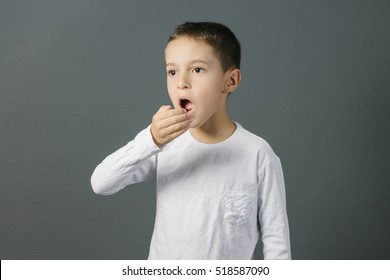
(186,104)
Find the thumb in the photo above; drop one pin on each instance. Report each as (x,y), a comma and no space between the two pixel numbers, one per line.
(164,108)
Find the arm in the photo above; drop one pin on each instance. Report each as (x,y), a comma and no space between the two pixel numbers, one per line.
(133,163)
(272,212)
(137,161)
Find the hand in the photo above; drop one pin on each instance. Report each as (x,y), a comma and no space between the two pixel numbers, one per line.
(167,124)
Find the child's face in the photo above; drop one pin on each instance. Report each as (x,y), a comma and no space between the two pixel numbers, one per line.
(195,79)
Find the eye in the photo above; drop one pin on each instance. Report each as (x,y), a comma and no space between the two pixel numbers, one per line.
(171,72)
(198,70)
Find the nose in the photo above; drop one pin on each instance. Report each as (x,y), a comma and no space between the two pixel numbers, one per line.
(183,83)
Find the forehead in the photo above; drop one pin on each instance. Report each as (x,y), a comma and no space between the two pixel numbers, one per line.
(185,49)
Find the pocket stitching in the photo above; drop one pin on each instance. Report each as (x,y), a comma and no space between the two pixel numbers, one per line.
(238,208)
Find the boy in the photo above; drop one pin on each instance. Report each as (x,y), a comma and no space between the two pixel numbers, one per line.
(219,187)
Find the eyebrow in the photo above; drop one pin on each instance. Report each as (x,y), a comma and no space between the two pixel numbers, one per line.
(190,62)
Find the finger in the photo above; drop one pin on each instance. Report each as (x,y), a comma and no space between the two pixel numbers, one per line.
(161,113)
(179,132)
(176,127)
(173,112)
(164,108)
(164,112)
(167,122)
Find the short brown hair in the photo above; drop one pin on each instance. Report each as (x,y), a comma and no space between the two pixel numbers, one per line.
(223,41)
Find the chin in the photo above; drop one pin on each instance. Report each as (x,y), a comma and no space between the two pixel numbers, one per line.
(194,124)
(197,124)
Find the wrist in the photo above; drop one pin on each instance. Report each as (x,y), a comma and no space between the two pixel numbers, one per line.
(156,142)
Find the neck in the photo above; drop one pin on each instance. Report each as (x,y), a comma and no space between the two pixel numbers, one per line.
(214,131)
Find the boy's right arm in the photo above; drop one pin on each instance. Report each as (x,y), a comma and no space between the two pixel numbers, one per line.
(136,162)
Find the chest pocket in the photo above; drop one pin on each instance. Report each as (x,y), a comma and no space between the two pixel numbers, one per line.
(238,207)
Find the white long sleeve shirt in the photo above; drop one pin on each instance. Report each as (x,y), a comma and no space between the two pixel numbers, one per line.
(214,201)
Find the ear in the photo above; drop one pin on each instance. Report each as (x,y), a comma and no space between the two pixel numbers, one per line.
(232,80)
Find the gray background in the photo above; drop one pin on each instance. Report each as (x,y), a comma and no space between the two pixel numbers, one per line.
(79,79)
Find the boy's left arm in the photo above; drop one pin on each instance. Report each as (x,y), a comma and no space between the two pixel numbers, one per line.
(272,212)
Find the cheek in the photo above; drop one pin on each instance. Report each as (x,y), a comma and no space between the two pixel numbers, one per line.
(169,85)
(173,99)
(170,89)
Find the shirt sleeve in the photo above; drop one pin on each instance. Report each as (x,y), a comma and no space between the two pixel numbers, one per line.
(135,162)
(272,213)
